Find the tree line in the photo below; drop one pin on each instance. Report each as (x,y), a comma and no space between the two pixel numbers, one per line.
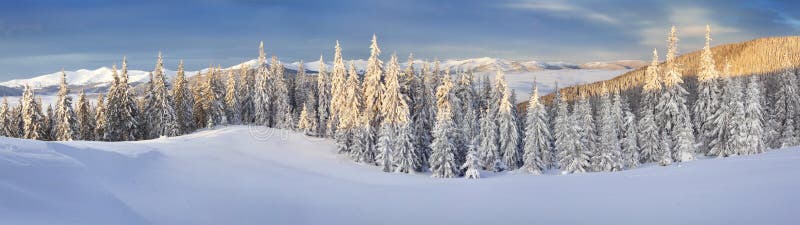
(425,119)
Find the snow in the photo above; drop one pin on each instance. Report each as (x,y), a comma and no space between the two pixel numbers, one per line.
(252,175)
(98,77)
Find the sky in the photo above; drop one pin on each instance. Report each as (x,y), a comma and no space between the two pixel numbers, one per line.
(44,36)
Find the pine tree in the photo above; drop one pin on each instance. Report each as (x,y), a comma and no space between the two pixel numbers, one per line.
(753,117)
(246,92)
(100,119)
(184,102)
(121,111)
(31,116)
(324,101)
(158,107)
(232,103)
(442,160)
(424,115)
(507,126)
(338,78)
(395,147)
(6,126)
(85,118)
(708,101)
(66,128)
(472,164)
(537,136)
(213,99)
(628,143)
(671,111)
(607,157)
(786,106)
(573,157)
(649,138)
(372,89)
(262,97)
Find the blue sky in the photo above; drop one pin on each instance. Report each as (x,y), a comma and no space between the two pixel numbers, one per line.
(43,36)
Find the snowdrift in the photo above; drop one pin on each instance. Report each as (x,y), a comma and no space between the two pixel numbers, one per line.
(244,175)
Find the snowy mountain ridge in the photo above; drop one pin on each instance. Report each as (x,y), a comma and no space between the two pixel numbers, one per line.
(101,77)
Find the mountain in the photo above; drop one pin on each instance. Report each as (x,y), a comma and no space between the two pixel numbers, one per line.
(755,57)
(97,80)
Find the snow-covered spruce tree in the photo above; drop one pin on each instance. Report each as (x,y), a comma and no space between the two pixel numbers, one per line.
(100,119)
(508,137)
(753,117)
(465,116)
(199,113)
(158,107)
(283,107)
(232,103)
(85,118)
(409,84)
(307,121)
(573,156)
(472,164)
(442,160)
(184,102)
(607,157)
(729,137)
(671,111)
(537,136)
(628,142)
(324,100)
(17,121)
(6,126)
(786,106)
(349,120)
(48,125)
(121,109)
(213,99)
(301,91)
(372,88)
(707,95)
(31,116)
(246,91)
(262,96)
(66,125)
(489,147)
(585,126)
(395,147)
(425,115)
(338,78)
(552,110)
(649,137)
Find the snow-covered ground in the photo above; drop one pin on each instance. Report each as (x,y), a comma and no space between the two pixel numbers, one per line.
(239,175)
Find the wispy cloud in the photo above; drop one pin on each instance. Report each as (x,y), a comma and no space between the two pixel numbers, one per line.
(562,9)
(691,23)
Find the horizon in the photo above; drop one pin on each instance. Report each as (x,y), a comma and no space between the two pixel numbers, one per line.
(44,36)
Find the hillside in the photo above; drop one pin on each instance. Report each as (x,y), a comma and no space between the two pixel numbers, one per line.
(235,175)
(754,57)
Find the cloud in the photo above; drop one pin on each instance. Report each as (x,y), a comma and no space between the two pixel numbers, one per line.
(562,9)
(691,24)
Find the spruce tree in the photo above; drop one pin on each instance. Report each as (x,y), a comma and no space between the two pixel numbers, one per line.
(86,121)
(121,111)
(213,99)
(442,160)
(262,96)
(753,117)
(282,108)
(338,78)
(184,102)
(508,137)
(158,107)
(607,157)
(100,119)
(472,164)
(31,116)
(649,137)
(729,137)
(537,136)
(628,142)
(324,101)
(708,101)
(246,91)
(65,122)
(48,126)
(372,89)
(307,121)
(395,147)
(424,115)
(232,103)
(573,156)
(6,126)
(672,114)
(786,106)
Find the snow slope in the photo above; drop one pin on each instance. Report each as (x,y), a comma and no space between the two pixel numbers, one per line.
(238,175)
(97,77)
